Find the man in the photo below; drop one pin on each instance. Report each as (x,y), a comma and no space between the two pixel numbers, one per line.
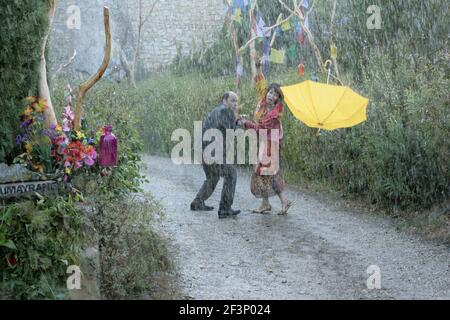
(223,117)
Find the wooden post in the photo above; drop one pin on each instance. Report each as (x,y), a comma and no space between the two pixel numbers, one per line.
(335,65)
(239,56)
(85,86)
(253,23)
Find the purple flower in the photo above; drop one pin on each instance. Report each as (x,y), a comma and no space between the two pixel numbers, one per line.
(26,123)
(68,113)
(66,125)
(51,134)
(89,161)
(22,138)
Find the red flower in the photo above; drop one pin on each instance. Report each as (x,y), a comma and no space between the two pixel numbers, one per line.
(11,260)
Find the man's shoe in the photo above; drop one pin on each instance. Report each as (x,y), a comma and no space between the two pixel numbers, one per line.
(228,213)
(200,207)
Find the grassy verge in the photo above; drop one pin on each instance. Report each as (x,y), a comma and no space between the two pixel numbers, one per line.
(396,161)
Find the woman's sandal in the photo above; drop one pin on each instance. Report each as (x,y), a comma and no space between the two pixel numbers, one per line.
(284,211)
(264,210)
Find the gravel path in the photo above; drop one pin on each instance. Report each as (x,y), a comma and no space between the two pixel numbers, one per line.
(317,251)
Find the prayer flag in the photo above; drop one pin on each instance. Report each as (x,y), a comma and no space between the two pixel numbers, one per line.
(237,15)
(292,52)
(277,56)
(285,26)
(333,52)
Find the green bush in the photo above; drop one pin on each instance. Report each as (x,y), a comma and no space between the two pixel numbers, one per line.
(21,32)
(43,237)
(123,216)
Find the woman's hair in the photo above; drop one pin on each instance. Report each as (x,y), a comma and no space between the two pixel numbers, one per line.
(276,87)
(262,110)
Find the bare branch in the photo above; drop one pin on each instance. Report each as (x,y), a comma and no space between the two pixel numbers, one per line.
(335,65)
(301,18)
(150,12)
(253,68)
(236,47)
(65,65)
(278,23)
(333,13)
(310,9)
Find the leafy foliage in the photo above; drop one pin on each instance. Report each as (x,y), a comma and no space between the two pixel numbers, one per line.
(399,157)
(23,26)
(123,216)
(38,240)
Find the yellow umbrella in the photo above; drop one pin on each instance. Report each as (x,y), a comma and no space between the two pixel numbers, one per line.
(325,106)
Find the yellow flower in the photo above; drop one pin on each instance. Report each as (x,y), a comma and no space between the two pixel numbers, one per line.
(28,147)
(58,128)
(68,171)
(38,167)
(28,111)
(80,135)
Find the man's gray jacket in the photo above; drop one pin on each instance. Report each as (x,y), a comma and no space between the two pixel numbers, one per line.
(221,118)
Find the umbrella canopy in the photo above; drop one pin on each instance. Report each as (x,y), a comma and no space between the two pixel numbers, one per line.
(325,106)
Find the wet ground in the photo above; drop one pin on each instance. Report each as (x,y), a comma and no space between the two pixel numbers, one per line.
(318,251)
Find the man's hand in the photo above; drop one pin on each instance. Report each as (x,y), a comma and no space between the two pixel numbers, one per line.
(240,119)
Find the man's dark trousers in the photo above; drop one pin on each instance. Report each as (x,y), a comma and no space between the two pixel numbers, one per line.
(213,173)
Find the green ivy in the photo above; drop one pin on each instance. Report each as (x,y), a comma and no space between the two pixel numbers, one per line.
(21,33)
(40,239)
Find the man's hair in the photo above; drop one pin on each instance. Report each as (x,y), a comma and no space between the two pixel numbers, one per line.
(225,96)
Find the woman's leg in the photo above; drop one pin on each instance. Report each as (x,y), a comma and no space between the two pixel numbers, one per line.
(282,199)
(264,207)
(265,203)
(285,203)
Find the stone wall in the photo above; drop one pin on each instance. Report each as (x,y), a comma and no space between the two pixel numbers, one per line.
(174,24)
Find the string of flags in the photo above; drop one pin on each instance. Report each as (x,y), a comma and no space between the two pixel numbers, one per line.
(238,10)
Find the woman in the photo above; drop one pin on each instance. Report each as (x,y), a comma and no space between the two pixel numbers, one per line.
(267,180)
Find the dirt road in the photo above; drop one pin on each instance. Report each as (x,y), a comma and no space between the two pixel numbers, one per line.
(317,251)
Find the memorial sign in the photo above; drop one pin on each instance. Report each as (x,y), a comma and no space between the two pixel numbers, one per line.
(20,189)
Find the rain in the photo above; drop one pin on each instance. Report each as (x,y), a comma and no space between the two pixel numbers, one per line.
(224,150)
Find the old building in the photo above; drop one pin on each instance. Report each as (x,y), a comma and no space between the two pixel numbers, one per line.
(174,25)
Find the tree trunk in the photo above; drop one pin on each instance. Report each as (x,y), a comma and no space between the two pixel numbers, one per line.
(252,45)
(135,60)
(126,67)
(43,89)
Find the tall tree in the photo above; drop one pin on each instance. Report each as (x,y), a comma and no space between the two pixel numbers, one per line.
(44,92)
(144,14)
